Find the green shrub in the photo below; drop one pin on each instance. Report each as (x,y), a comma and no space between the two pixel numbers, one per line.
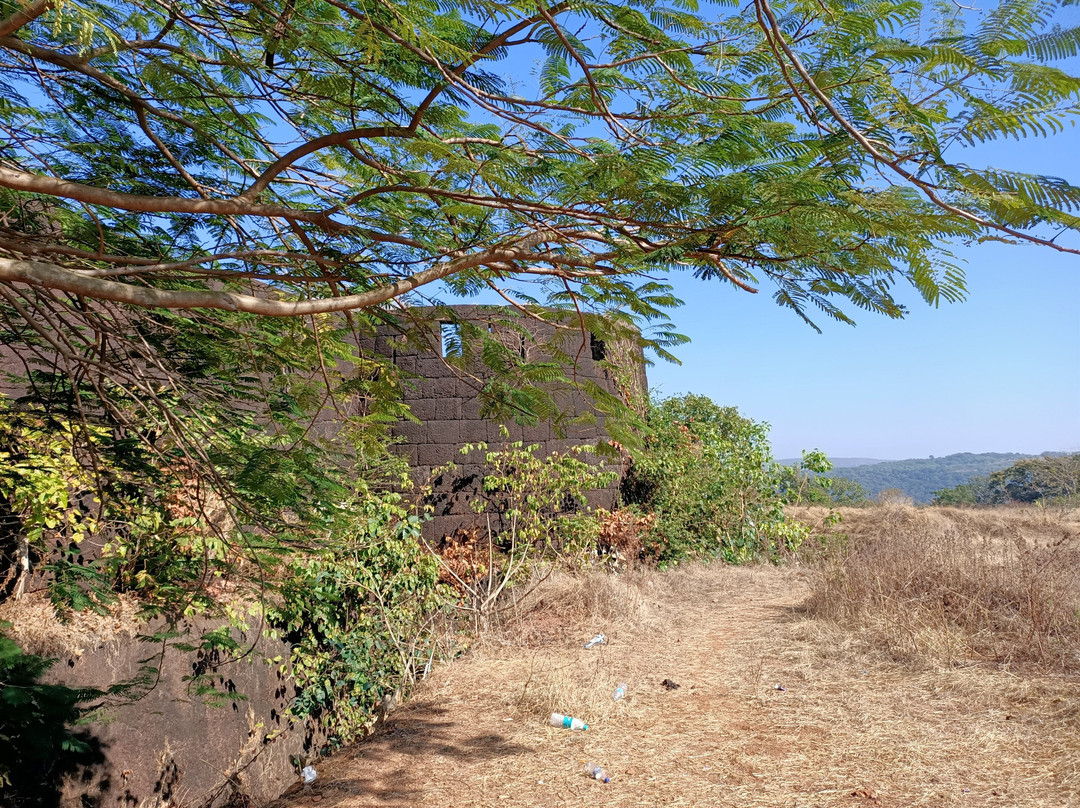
(530,508)
(37,744)
(358,614)
(803,483)
(540,496)
(707,473)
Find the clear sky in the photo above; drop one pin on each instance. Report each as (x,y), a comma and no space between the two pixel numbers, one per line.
(999,372)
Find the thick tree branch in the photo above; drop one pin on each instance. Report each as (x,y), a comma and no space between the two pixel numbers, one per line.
(23,16)
(90,195)
(312,146)
(37,273)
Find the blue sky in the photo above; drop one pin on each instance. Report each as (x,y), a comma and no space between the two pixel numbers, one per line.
(999,372)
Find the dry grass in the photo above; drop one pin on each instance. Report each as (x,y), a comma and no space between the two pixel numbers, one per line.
(853,726)
(563,613)
(954,586)
(37,629)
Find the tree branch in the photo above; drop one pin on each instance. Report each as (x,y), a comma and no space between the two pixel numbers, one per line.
(37,273)
(52,186)
(927,188)
(23,16)
(312,146)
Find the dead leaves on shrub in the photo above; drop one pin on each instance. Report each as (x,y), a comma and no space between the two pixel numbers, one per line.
(622,531)
(465,557)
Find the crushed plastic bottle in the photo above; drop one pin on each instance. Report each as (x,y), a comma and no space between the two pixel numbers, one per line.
(599,639)
(596,772)
(566,722)
(620,692)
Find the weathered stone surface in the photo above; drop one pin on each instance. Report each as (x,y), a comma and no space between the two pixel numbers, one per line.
(447,401)
(444,431)
(411,432)
(440,387)
(173,748)
(478,431)
(424,408)
(436,454)
(448,409)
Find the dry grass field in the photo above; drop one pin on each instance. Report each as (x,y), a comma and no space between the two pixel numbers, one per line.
(887,699)
(952,585)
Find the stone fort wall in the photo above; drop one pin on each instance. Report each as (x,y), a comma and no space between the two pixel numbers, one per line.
(447,403)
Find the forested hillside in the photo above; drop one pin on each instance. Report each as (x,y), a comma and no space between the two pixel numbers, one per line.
(838,462)
(919,478)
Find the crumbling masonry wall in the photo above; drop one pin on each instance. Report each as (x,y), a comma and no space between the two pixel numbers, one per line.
(447,404)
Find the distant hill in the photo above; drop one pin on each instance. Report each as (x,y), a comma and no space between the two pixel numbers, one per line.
(838,462)
(920,478)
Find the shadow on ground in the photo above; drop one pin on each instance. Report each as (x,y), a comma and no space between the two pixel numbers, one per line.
(399,757)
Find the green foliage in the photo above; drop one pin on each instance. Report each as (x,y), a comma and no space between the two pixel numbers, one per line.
(41,485)
(41,479)
(845,491)
(358,615)
(744,145)
(538,495)
(965,494)
(57,496)
(707,473)
(217,494)
(804,484)
(189,456)
(531,509)
(1048,479)
(37,743)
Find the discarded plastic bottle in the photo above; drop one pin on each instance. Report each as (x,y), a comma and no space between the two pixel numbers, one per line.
(599,639)
(620,691)
(596,772)
(566,722)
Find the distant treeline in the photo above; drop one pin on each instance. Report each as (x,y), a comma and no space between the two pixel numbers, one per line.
(1049,478)
(922,478)
(990,478)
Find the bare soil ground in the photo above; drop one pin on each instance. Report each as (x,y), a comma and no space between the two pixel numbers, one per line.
(852,727)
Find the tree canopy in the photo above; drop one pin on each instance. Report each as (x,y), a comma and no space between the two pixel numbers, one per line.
(308,156)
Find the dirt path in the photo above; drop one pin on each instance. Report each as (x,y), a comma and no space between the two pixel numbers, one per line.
(844,731)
